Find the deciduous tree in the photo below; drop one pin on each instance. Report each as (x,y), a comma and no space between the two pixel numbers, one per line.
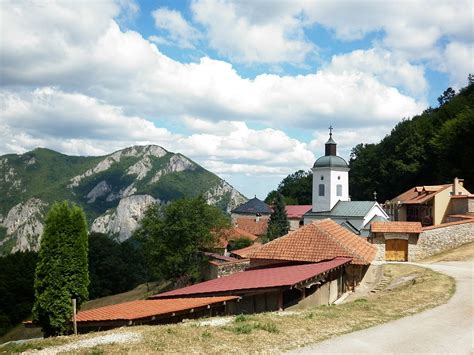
(174,234)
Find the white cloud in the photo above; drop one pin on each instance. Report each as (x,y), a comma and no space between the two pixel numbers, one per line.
(124,69)
(77,124)
(179,31)
(459,62)
(385,66)
(252,32)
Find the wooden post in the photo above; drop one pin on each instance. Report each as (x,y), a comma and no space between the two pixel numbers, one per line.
(74,321)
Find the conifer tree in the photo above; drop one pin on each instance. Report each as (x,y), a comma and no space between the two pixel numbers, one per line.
(62,269)
(278,224)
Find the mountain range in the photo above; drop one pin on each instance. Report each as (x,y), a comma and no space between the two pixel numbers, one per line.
(114,190)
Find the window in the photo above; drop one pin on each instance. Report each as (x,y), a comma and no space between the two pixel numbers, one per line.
(322,177)
(339,177)
(338,190)
(321,189)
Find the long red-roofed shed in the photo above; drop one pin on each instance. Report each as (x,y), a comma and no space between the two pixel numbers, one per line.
(243,282)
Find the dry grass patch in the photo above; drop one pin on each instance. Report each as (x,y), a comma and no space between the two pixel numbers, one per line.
(464,252)
(271,332)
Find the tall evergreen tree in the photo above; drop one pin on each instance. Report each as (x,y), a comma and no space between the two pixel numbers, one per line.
(278,224)
(62,270)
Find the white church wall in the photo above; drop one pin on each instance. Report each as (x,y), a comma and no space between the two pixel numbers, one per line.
(330,178)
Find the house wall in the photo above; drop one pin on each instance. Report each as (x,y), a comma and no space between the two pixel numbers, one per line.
(213,270)
(326,293)
(354,275)
(262,263)
(459,206)
(434,240)
(294,223)
(441,204)
(442,201)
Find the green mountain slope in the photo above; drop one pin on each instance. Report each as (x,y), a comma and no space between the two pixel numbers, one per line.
(114,189)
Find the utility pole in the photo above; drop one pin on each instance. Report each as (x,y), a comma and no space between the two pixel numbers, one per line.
(74,322)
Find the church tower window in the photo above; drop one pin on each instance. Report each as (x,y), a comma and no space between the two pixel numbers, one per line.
(321,189)
(338,190)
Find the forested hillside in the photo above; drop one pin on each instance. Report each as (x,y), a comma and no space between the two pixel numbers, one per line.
(114,190)
(431,148)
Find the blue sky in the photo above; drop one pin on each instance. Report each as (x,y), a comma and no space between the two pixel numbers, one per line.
(246,89)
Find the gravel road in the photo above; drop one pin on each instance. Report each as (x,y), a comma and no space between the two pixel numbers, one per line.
(447,329)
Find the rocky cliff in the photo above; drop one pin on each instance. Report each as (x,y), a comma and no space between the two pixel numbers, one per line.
(114,190)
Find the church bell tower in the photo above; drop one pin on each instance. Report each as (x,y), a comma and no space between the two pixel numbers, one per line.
(330,178)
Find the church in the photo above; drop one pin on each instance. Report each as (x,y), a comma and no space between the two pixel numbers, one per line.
(331,197)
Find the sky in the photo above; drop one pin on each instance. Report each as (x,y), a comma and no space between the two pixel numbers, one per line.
(247,89)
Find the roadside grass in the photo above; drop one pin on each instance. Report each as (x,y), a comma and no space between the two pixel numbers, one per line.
(462,253)
(273,332)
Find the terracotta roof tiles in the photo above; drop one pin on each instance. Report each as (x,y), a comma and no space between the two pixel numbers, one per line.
(147,308)
(250,225)
(395,227)
(320,240)
(245,252)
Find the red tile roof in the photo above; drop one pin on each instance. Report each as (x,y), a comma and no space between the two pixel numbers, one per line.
(420,194)
(470,220)
(297,211)
(245,252)
(395,227)
(320,240)
(233,233)
(258,279)
(250,225)
(147,308)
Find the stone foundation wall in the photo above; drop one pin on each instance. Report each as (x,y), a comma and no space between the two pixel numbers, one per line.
(379,241)
(436,240)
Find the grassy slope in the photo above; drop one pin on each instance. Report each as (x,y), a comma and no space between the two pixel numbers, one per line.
(463,252)
(271,332)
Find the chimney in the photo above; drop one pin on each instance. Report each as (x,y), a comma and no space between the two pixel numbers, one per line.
(455,186)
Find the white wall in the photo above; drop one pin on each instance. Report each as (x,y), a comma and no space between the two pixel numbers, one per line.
(331,178)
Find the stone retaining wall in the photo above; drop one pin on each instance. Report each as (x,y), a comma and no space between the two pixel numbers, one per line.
(434,240)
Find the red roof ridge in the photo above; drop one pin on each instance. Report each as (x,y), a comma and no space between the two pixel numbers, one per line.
(317,241)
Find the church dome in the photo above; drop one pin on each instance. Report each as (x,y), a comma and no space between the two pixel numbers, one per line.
(330,161)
